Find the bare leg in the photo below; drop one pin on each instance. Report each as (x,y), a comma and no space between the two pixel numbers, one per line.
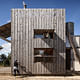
(18,71)
(14,72)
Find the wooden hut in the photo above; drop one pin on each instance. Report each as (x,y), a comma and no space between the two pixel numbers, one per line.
(39,41)
(39,38)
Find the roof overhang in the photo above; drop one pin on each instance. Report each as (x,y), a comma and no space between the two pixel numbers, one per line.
(5,31)
(1,47)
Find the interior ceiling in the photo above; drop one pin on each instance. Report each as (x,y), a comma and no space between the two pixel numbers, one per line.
(5,30)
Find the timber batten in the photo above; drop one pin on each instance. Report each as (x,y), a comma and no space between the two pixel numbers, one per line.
(5,30)
(24,22)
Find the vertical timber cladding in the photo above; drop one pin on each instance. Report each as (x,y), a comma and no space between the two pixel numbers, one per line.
(24,21)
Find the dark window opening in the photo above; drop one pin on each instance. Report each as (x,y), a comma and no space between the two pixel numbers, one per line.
(43,55)
(47,34)
(43,52)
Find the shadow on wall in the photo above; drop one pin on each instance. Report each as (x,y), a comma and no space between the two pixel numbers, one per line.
(59,63)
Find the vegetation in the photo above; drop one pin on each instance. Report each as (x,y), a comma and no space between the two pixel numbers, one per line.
(5,60)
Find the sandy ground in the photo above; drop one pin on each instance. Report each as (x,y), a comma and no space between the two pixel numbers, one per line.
(40,78)
(7,70)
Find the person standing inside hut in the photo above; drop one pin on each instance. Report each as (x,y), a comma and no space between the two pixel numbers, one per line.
(16,67)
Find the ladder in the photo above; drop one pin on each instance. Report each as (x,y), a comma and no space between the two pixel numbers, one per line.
(73,46)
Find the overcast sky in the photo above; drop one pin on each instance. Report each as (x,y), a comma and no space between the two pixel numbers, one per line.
(72,10)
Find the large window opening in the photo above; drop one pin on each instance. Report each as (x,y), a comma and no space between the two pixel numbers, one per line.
(47,34)
(43,52)
(43,55)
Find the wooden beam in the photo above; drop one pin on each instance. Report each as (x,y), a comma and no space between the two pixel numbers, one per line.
(5,30)
(5,39)
(1,47)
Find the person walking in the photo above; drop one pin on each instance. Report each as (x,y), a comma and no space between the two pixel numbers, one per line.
(16,67)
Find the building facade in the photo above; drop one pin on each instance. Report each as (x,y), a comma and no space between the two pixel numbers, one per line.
(39,40)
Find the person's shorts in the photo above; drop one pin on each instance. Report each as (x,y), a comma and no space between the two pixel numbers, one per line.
(15,68)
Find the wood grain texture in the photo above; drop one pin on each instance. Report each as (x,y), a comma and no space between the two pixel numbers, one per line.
(24,22)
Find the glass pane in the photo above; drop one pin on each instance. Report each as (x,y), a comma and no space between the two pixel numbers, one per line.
(45,51)
(48,34)
(41,52)
(38,36)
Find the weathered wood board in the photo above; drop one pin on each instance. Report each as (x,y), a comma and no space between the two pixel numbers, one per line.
(23,23)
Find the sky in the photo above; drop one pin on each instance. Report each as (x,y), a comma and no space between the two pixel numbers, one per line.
(72,8)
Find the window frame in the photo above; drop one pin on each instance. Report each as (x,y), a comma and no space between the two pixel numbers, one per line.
(43,31)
